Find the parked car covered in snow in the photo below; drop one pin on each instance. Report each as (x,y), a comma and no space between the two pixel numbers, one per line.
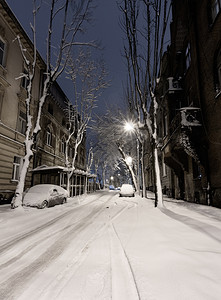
(127,190)
(45,195)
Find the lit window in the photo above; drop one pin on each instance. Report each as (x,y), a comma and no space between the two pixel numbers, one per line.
(187,56)
(22,123)
(2,52)
(16,168)
(215,8)
(48,137)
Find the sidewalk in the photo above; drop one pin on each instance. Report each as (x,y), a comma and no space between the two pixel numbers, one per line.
(175,251)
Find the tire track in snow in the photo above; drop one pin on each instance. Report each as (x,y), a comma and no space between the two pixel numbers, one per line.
(55,287)
(22,276)
(23,236)
(124,285)
(43,239)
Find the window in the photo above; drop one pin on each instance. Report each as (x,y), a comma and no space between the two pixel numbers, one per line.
(165,125)
(22,123)
(50,109)
(71,151)
(64,122)
(25,81)
(63,145)
(82,157)
(48,137)
(164,167)
(16,168)
(2,52)
(215,8)
(218,72)
(187,56)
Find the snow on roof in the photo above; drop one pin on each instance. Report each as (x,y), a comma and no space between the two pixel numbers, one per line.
(189,108)
(48,168)
(45,167)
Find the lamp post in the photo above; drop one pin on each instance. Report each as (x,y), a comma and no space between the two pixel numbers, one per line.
(130,126)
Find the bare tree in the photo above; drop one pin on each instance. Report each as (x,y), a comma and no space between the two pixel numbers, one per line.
(114,141)
(70,15)
(90,159)
(144,25)
(89,80)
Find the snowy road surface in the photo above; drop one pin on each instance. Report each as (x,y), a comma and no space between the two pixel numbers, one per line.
(102,247)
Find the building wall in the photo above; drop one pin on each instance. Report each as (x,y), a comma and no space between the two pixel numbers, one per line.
(13,109)
(12,97)
(208,44)
(192,151)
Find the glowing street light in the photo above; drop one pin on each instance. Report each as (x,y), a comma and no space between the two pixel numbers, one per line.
(129,160)
(129,126)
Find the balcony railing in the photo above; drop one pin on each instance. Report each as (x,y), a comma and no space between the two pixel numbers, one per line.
(187,117)
(190,117)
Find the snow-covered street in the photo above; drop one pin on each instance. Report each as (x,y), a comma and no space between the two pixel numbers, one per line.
(102,246)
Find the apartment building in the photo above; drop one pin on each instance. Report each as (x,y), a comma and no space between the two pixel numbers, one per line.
(48,162)
(189,100)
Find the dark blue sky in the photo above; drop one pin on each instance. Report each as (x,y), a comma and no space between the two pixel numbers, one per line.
(105,28)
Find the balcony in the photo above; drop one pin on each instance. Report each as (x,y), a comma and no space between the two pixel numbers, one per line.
(180,142)
(186,119)
(173,85)
(190,117)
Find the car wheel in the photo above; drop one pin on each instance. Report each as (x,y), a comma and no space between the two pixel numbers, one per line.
(44,204)
(64,200)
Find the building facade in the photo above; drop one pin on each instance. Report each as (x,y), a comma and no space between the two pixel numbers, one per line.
(189,100)
(48,162)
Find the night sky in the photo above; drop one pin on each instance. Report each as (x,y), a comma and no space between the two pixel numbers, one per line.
(105,29)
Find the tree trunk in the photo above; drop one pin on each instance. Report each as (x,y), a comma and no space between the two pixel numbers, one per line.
(158,188)
(69,175)
(138,166)
(85,188)
(143,172)
(17,199)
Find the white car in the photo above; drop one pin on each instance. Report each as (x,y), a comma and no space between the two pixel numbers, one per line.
(45,195)
(127,190)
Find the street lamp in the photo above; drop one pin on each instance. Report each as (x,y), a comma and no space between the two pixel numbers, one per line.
(129,160)
(129,126)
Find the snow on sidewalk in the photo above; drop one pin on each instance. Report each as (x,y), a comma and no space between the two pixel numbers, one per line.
(175,252)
